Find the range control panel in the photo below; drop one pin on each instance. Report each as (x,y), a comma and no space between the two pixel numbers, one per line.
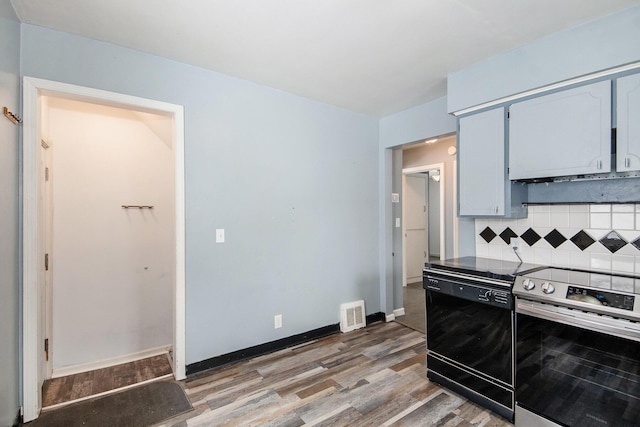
(585,298)
(599,297)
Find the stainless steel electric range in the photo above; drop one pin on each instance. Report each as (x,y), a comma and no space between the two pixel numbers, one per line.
(577,349)
(470,328)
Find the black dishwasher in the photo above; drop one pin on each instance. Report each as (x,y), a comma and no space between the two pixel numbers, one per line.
(470,328)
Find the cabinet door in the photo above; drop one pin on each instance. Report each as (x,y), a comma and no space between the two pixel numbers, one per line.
(628,136)
(481,164)
(564,133)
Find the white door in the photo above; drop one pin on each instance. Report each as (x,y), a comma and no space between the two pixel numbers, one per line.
(415,225)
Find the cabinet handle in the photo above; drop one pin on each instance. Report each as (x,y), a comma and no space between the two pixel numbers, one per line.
(626,162)
(599,164)
(496,209)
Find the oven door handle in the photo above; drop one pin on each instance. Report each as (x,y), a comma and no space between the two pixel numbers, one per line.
(608,325)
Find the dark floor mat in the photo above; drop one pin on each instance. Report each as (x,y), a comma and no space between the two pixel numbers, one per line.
(140,406)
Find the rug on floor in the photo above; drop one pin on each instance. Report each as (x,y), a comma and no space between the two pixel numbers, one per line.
(139,406)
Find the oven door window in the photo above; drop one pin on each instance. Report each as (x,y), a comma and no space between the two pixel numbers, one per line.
(577,377)
(471,333)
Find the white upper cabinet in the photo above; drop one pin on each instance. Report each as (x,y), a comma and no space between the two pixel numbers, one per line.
(484,189)
(481,163)
(628,134)
(564,133)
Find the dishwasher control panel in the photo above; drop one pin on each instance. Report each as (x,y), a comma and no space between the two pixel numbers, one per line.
(469,291)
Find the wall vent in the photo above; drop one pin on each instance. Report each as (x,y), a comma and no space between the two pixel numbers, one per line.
(352,316)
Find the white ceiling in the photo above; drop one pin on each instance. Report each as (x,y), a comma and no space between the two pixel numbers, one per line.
(376,57)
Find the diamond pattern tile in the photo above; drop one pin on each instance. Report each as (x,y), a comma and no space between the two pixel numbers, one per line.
(582,240)
(530,237)
(488,234)
(555,238)
(613,241)
(507,234)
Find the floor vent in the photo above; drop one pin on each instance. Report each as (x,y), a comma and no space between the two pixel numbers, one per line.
(352,316)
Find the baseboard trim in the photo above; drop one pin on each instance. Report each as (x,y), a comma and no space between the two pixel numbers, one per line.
(17,421)
(261,349)
(270,347)
(105,363)
(399,312)
(376,317)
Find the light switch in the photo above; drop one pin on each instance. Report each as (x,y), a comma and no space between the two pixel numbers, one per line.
(397,222)
(219,235)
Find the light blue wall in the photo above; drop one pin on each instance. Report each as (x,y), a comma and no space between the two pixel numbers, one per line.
(424,121)
(9,208)
(605,43)
(293,182)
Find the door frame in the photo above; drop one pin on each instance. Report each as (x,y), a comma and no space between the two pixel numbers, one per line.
(32,245)
(416,170)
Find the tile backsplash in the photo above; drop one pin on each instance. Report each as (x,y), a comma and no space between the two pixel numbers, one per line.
(604,237)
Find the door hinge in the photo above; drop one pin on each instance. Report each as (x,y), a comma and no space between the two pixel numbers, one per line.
(46,348)
(46,262)
(46,174)
(425,208)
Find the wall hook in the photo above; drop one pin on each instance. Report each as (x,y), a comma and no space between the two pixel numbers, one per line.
(137,206)
(16,120)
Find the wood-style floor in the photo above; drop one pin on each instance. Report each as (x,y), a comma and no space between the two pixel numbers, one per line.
(57,391)
(374,376)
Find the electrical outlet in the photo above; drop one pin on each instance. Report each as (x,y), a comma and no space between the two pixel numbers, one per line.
(277,321)
(516,242)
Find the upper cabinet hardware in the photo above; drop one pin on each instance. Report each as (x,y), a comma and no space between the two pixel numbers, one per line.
(16,120)
(136,207)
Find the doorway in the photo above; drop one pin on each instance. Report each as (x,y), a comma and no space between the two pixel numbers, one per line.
(423,212)
(35,368)
(415,211)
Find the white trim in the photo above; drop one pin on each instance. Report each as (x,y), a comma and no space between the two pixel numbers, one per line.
(420,169)
(456,223)
(543,89)
(32,251)
(113,361)
(443,209)
(389,317)
(106,393)
(402,230)
(399,312)
(31,313)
